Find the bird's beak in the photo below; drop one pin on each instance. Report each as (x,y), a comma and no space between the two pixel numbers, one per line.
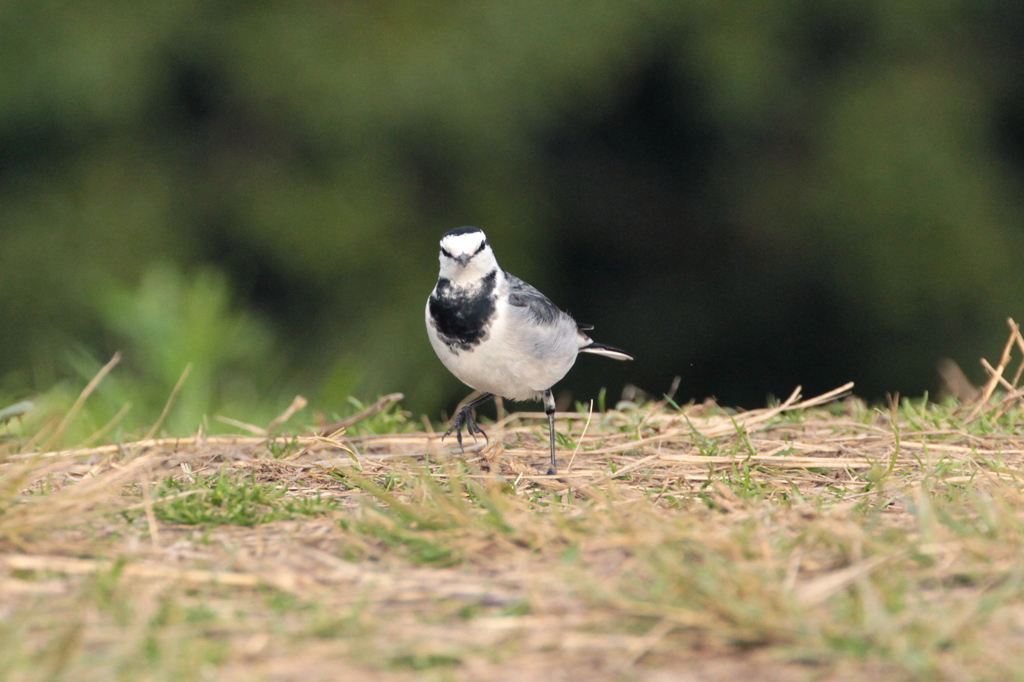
(463,259)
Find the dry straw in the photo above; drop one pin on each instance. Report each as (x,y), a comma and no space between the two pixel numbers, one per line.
(655,497)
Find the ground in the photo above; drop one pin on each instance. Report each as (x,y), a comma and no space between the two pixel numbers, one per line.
(821,539)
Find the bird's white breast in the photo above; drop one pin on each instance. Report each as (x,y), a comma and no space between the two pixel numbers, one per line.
(517,358)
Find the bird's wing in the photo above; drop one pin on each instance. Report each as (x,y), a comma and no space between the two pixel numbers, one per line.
(536,304)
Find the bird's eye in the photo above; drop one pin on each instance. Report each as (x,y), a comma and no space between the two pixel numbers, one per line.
(481,247)
(444,252)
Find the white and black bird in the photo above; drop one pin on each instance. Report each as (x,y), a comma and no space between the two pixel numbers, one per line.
(498,334)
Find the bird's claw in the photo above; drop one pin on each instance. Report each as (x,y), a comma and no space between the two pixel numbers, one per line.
(465,419)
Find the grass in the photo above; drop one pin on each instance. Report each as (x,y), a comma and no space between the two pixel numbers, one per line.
(811,540)
(231,498)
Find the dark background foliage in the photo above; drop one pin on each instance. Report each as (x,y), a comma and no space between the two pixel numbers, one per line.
(749,195)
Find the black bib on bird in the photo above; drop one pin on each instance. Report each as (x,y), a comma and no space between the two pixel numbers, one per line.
(461,315)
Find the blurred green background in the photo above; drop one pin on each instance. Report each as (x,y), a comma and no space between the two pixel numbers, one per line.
(750,195)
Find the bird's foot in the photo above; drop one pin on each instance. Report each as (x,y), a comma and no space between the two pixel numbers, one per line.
(465,419)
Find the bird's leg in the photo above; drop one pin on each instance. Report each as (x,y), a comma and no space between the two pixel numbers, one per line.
(464,418)
(549,410)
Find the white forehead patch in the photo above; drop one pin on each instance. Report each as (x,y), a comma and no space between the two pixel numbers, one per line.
(467,242)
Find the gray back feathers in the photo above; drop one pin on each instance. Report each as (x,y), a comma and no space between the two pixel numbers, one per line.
(538,307)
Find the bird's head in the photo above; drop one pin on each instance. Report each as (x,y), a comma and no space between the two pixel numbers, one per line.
(465,255)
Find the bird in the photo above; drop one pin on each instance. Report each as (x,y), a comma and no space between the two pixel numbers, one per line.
(499,335)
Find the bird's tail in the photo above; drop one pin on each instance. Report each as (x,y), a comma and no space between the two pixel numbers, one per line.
(607,351)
